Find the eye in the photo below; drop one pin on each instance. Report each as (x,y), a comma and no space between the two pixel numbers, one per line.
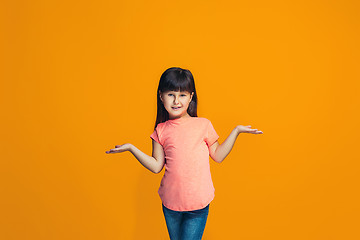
(170,94)
(183,95)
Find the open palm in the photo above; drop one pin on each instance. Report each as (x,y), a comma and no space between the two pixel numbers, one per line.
(119,148)
(247,129)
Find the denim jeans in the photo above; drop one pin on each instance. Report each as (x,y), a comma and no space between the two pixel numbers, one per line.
(186,225)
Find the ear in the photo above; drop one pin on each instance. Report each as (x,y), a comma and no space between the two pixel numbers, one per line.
(192,94)
(160,95)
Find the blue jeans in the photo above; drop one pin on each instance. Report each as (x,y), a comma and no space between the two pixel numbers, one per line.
(186,225)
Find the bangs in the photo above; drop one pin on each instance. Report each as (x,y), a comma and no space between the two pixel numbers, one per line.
(177,82)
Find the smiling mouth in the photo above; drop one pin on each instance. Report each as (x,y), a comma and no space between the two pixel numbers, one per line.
(175,108)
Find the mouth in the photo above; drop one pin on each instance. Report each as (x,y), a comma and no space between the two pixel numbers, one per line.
(175,108)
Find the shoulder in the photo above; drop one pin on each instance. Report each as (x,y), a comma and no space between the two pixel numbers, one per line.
(161,125)
(202,120)
(159,130)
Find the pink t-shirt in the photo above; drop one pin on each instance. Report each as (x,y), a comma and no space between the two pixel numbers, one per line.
(187,184)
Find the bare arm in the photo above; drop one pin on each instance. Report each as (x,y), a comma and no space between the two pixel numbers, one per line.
(154,163)
(219,152)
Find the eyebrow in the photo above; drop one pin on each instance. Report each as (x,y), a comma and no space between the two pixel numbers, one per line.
(181,92)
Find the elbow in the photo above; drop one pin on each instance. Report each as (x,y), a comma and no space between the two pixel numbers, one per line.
(219,160)
(216,159)
(157,170)
(216,155)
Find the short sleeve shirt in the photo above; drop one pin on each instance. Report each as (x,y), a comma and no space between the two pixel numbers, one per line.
(186,184)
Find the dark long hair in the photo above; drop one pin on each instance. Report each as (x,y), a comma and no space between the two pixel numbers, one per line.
(175,79)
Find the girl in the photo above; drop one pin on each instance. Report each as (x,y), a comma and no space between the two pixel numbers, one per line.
(182,142)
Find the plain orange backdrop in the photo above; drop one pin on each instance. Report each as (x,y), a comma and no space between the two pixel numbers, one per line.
(79,77)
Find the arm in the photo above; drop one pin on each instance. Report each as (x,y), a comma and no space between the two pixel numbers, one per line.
(154,163)
(219,152)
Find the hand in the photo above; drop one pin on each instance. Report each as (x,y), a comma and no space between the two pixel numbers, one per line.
(247,129)
(120,148)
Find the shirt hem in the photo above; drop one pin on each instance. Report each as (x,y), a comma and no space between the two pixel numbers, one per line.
(190,209)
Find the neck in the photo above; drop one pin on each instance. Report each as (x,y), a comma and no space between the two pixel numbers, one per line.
(182,117)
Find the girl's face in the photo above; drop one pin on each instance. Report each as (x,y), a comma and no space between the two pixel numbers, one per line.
(176,103)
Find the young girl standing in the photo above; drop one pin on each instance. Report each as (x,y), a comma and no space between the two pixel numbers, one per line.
(183,142)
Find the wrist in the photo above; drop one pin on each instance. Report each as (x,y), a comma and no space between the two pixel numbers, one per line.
(129,147)
(237,130)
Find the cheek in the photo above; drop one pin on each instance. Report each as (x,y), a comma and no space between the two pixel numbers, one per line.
(186,102)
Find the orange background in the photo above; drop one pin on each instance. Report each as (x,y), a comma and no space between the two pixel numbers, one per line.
(79,77)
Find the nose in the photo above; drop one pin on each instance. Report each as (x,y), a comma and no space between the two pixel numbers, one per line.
(176,100)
